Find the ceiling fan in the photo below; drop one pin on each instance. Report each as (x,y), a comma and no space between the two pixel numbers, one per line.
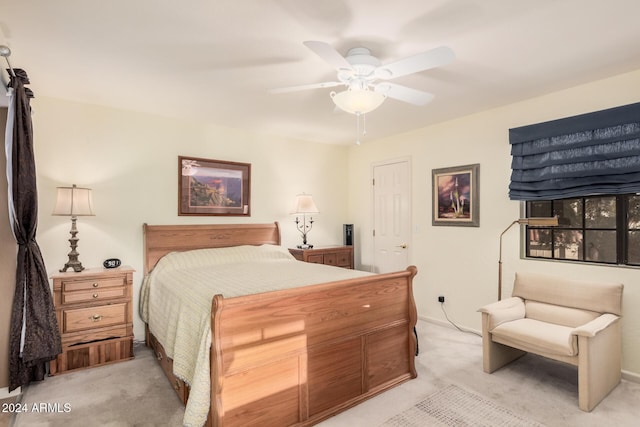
(366,78)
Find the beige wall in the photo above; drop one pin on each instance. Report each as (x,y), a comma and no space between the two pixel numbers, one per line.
(460,262)
(130,160)
(8,252)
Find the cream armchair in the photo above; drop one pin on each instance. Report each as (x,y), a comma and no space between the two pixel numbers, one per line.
(570,321)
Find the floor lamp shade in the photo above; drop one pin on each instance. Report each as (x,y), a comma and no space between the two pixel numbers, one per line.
(535,222)
(73,201)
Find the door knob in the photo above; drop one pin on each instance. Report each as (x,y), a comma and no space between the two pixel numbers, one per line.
(403,246)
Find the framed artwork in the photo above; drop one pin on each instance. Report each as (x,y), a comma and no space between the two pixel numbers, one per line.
(213,187)
(456,200)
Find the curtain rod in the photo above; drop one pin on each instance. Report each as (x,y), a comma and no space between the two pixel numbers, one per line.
(6,52)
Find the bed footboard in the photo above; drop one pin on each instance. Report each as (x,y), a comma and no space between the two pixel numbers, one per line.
(298,356)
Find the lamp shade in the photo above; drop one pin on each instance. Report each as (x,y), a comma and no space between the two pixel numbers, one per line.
(304,205)
(540,221)
(358,101)
(73,201)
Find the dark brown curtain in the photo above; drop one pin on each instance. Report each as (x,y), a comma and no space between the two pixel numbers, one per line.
(34,338)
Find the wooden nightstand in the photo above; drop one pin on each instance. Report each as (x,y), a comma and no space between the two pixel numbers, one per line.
(341,256)
(95,317)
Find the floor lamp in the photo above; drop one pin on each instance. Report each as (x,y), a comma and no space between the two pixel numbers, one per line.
(540,222)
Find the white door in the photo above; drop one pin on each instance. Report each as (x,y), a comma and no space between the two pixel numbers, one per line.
(392,215)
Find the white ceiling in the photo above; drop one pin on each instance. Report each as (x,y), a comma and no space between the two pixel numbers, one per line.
(215,60)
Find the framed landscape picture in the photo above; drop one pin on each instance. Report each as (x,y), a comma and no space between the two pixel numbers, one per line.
(456,200)
(213,187)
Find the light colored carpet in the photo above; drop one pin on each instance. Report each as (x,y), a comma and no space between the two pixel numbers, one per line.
(453,406)
(131,393)
(136,392)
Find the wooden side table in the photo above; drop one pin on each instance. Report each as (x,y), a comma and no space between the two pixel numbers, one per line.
(340,256)
(95,317)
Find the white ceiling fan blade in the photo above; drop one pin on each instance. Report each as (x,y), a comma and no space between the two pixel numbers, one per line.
(329,54)
(413,64)
(403,93)
(305,87)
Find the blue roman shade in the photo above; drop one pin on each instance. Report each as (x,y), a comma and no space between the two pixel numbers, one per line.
(590,154)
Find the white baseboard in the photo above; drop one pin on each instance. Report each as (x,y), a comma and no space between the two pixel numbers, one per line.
(631,376)
(4,392)
(434,320)
(626,375)
(446,324)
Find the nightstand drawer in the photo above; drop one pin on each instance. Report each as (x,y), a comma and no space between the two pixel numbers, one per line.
(94,295)
(80,285)
(344,259)
(94,317)
(86,355)
(330,258)
(316,259)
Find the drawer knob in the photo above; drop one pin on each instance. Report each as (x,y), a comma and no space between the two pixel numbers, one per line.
(176,385)
(95,317)
(95,295)
(95,285)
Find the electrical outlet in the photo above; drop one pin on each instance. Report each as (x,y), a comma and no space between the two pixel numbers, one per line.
(441,298)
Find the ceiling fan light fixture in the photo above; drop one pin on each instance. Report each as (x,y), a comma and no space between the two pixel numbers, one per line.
(357,101)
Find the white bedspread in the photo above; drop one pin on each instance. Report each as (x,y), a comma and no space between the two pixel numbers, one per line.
(176,303)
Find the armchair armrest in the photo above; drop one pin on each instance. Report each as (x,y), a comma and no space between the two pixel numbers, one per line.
(598,324)
(502,311)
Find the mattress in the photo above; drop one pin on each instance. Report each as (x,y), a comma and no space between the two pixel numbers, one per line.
(176,302)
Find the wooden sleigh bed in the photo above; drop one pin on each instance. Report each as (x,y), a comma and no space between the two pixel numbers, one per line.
(294,356)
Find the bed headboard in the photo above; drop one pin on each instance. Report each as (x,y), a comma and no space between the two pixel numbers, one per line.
(159,240)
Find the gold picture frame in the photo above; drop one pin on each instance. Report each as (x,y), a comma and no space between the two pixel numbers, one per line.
(213,187)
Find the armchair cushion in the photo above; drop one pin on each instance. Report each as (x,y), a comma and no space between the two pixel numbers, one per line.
(538,336)
(601,297)
(560,315)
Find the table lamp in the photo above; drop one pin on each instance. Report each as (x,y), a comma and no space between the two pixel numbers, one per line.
(73,201)
(304,206)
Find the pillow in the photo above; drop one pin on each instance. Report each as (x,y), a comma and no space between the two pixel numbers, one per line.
(216,256)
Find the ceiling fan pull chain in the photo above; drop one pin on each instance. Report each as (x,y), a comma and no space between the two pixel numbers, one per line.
(364,125)
(357,128)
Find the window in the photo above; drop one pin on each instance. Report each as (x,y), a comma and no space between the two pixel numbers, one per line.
(557,168)
(599,229)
